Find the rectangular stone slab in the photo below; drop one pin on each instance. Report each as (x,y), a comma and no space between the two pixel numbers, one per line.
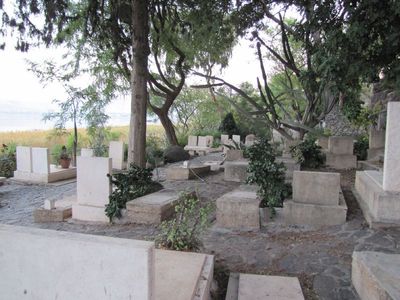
(48,264)
(181,173)
(391,165)
(316,187)
(314,214)
(153,208)
(93,185)
(341,144)
(177,274)
(236,171)
(116,152)
(40,160)
(262,287)
(341,161)
(192,140)
(24,159)
(376,275)
(239,209)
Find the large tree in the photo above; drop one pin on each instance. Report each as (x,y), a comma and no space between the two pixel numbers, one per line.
(106,23)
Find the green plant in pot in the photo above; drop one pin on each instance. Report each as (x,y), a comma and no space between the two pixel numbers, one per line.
(64,158)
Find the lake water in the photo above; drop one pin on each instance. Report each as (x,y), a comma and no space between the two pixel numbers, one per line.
(16,121)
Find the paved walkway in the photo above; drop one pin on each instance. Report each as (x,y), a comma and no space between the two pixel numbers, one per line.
(320,258)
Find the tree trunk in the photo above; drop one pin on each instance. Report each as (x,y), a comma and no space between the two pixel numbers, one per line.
(168,126)
(139,76)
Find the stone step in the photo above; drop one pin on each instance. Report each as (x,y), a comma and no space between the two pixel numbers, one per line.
(376,275)
(263,287)
(152,208)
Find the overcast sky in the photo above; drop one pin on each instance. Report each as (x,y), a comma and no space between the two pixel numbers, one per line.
(20,90)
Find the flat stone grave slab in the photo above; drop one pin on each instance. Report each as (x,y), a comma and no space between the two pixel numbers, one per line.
(263,287)
(239,210)
(182,173)
(152,208)
(182,274)
(62,210)
(376,275)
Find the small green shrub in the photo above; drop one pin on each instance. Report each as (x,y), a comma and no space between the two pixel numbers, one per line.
(183,231)
(228,125)
(308,154)
(7,160)
(361,146)
(267,174)
(60,151)
(129,185)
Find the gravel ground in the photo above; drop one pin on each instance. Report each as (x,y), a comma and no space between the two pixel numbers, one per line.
(321,258)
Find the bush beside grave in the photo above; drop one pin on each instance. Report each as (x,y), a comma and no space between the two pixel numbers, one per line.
(129,185)
(267,174)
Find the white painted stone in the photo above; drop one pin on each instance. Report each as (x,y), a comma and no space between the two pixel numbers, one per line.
(224,139)
(93,185)
(202,142)
(47,264)
(49,204)
(116,152)
(192,140)
(391,165)
(236,139)
(87,152)
(24,159)
(210,140)
(93,188)
(40,160)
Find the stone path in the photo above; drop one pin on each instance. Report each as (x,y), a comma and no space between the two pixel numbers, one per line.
(320,258)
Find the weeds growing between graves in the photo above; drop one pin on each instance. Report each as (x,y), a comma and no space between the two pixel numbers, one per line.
(308,154)
(183,232)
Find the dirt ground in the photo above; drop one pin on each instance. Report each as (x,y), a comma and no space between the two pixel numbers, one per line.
(320,258)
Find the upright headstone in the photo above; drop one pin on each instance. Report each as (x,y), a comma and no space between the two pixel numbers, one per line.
(391,166)
(224,139)
(340,153)
(93,188)
(40,160)
(87,152)
(236,139)
(192,140)
(210,140)
(202,141)
(250,140)
(24,159)
(116,152)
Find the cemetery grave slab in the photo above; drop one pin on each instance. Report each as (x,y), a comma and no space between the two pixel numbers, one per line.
(152,208)
(376,275)
(182,173)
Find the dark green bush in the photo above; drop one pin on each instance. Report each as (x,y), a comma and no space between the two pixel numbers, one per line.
(183,231)
(267,174)
(361,147)
(228,125)
(129,185)
(308,154)
(7,160)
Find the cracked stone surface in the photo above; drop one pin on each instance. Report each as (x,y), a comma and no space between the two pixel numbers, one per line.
(321,258)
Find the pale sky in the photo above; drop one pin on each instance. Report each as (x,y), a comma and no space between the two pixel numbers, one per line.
(20,90)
